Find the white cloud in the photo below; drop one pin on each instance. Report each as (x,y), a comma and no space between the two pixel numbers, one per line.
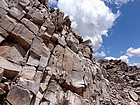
(118,2)
(133,52)
(91,18)
(110,58)
(52,3)
(135,64)
(124,58)
(100,54)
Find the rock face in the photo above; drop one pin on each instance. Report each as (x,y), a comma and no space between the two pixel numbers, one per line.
(43,61)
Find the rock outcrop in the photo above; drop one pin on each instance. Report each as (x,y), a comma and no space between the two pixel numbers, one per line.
(43,61)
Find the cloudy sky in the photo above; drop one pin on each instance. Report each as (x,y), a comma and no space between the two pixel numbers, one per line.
(112,25)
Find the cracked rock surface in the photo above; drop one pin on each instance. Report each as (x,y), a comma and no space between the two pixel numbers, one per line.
(43,61)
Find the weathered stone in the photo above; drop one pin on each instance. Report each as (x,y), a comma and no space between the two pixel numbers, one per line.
(30,25)
(39,97)
(50,46)
(2,12)
(87,52)
(7,23)
(68,60)
(44,103)
(38,76)
(39,48)
(7,86)
(133,95)
(54,37)
(19,96)
(43,61)
(58,56)
(62,41)
(33,61)
(36,15)
(10,70)
(3,33)
(43,86)
(1,38)
(133,103)
(16,13)
(22,35)
(54,94)
(49,25)
(28,72)
(12,52)
(2,91)
(1,73)
(3,5)
(45,36)
(105,92)
(77,79)
(28,84)
(77,63)
(72,99)
(24,3)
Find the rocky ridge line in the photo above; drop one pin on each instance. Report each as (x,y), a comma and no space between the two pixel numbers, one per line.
(43,61)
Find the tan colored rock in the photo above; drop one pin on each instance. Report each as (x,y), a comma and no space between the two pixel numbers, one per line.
(54,94)
(57,58)
(3,33)
(7,23)
(16,13)
(38,76)
(44,103)
(22,35)
(30,25)
(10,70)
(39,48)
(2,10)
(28,84)
(43,61)
(133,103)
(19,96)
(133,95)
(43,86)
(1,38)
(1,73)
(33,61)
(49,25)
(2,91)
(36,15)
(45,36)
(87,52)
(77,63)
(12,52)
(68,60)
(77,79)
(7,86)
(74,99)
(24,2)
(105,92)
(3,5)
(38,98)
(54,37)
(28,72)
(62,41)
(50,46)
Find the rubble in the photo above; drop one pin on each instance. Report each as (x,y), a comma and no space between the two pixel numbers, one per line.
(43,61)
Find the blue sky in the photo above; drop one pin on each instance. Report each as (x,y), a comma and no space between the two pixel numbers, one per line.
(125,33)
(113,26)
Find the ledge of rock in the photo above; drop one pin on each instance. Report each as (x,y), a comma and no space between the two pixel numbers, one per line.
(43,61)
